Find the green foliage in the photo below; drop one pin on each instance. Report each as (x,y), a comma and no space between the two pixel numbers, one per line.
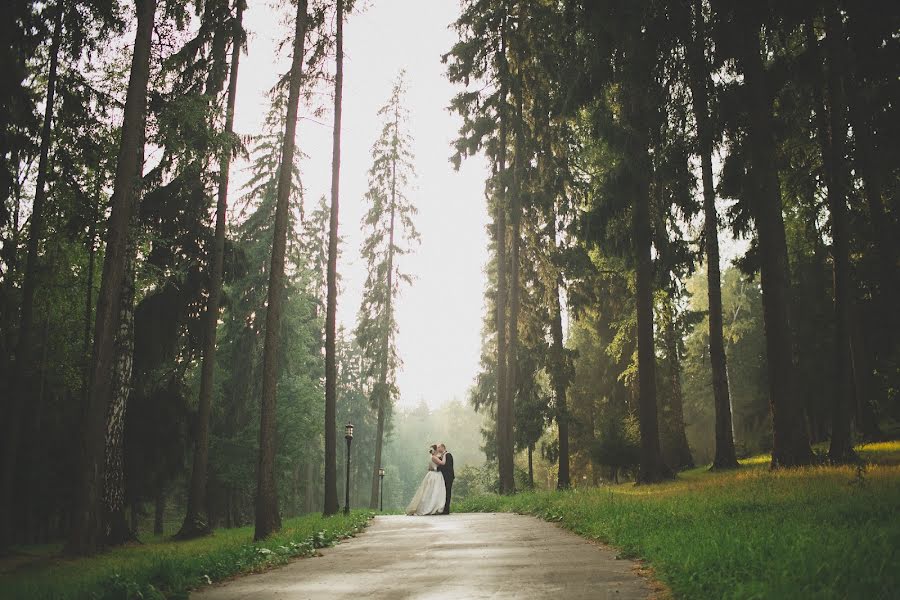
(753,533)
(166,569)
(391,234)
(619,444)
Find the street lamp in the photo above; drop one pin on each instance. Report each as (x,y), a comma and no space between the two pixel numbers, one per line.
(381,474)
(348,435)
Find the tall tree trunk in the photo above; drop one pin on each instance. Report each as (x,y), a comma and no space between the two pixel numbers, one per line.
(531,466)
(700,83)
(841,449)
(506,460)
(638,78)
(86,533)
(196,521)
(502,277)
(19,388)
(116,528)
(268,519)
(331,498)
(678,450)
(560,374)
(652,467)
(384,393)
(790,445)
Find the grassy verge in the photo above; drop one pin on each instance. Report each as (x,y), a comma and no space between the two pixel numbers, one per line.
(819,532)
(168,569)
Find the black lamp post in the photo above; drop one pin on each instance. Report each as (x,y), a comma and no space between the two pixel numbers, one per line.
(348,435)
(381,474)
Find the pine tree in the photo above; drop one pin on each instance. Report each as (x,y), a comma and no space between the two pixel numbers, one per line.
(268,519)
(392,232)
(700,84)
(86,535)
(331,499)
(196,521)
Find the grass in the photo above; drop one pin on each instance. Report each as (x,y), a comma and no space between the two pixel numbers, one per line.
(169,569)
(817,532)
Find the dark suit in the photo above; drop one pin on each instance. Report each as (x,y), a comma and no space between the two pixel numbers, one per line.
(446,470)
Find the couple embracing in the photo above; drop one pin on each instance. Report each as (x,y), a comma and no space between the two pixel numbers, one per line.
(433,495)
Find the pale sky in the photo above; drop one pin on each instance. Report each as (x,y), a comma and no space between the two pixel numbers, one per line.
(439,316)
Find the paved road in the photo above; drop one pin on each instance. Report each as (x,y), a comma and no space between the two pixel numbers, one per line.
(453,556)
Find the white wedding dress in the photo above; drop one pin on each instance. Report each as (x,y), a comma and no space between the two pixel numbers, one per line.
(429,498)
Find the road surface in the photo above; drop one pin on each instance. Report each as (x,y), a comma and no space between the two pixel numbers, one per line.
(453,556)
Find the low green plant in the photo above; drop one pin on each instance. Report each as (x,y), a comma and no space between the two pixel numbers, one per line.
(168,569)
(815,532)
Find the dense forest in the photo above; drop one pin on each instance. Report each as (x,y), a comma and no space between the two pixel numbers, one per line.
(633,142)
(693,257)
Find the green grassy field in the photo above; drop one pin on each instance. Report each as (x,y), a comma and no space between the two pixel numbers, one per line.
(819,532)
(165,569)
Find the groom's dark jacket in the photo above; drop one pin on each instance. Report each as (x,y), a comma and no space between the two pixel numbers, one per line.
(446,469)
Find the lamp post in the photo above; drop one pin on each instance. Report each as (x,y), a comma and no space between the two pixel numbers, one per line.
(381,475)
(348,435)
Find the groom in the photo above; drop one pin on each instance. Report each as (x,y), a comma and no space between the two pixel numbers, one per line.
(447,471)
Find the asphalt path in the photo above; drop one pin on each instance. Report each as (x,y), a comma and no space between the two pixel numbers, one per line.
(449,556)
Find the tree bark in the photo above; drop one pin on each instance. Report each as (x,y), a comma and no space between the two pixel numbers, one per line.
(268,519)
(790,446)
(652,467)
(841,449)
(196,521)
(116,527)
(531,466)
(19,388)
(506,460)
(700,83)
(331,498)
(86,533)
(638,76)
(500,226)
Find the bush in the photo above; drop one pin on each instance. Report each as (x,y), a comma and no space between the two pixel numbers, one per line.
(618,446)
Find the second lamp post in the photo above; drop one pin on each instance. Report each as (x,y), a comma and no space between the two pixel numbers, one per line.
(348,435)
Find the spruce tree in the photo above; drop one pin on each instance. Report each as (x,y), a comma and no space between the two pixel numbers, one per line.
(391,233)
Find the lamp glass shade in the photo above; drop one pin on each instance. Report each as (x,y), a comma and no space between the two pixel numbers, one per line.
(348,431)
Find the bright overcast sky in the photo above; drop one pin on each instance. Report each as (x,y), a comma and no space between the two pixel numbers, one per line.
(439,316)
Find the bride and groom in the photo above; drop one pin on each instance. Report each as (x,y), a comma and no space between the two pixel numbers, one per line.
(433,495)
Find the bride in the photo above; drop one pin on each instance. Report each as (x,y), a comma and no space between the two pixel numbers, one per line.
(429,498)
